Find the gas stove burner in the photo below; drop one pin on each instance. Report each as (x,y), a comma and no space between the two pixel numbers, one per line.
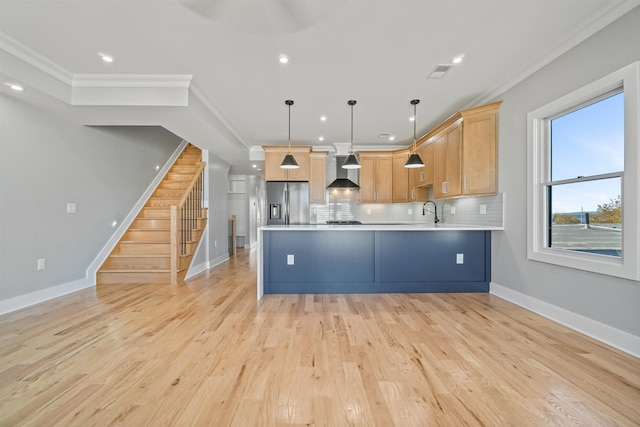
(343,222)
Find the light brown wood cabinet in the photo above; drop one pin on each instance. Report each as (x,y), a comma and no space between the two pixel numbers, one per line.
(465,153)
(375,177)
(447,162)
(421,178)
(480,152)
(317,176)
(400,178)
(273,156)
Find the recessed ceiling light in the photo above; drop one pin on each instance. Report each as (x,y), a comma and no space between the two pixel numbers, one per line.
(323,118)
(412,119)
(284,59)
(105,57)
(254,166)
(392,137)
(458,59)
(15,87)
(321,138)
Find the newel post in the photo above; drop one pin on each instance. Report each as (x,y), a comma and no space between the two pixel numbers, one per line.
(174,245)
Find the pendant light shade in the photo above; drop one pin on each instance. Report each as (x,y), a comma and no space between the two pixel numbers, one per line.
(351,161)
(289,162)
(414,160)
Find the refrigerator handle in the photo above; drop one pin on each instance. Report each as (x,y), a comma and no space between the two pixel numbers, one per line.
(286,204)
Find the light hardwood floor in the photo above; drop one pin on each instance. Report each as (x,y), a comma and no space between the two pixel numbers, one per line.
(208,354)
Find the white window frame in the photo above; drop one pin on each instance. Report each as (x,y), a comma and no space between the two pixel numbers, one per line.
(538,176)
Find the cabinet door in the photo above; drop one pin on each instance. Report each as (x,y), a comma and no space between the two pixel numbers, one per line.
(454,161)
(302,173)
(384,179)
(439,165)
(426,154)
(480,153)
(367,179)
(400,178)
(317,177)
(447,162)
(272,170)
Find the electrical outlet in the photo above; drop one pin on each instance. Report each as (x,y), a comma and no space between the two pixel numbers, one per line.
(410,211)
(215,243)
(71,208)
(483,209)
(290,260)
(459,258)
(41,264)
(368,211)
(453,210)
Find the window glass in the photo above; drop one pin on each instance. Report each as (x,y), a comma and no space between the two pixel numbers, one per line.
(589,141)
(586,216)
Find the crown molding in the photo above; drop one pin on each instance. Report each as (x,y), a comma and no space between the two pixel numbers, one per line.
(132,80)
(33,58)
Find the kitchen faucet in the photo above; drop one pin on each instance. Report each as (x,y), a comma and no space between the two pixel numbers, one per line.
(435,210)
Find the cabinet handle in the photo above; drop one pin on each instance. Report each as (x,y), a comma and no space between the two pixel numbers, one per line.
(464,183)
(444,187)
(406,195)
(413,194)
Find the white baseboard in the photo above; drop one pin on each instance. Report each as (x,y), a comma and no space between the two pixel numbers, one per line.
(621,340)
(203,266)
(217,261)
(32,298)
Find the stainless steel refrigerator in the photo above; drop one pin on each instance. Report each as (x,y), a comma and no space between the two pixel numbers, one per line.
(287,202)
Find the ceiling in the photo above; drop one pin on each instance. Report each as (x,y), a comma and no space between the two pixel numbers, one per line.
(378,52)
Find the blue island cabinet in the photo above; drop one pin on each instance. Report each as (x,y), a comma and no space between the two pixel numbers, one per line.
(352,261)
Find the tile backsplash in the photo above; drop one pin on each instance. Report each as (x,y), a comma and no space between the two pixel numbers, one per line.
(342,205)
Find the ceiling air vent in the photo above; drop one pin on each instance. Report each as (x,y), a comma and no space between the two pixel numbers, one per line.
(439,71)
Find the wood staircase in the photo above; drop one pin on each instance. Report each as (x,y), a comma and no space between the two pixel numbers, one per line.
(160,243)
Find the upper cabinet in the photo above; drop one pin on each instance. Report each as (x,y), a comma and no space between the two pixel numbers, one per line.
(375,177)
(317,176)
(465,153)
(447,162)
(273,156)
(480,151)
(400,178)
(421,178)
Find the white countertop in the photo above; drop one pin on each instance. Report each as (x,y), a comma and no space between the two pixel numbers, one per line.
(381,227)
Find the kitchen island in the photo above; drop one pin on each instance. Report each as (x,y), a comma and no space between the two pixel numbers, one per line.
(370,258)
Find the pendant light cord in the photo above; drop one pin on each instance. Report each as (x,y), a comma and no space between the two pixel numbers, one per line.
(351,129)
(414,128)
(290,129)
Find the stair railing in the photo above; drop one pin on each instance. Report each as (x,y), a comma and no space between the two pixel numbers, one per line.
(185,216)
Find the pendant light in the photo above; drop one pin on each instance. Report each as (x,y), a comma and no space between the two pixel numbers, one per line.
(352,161)
(289,162)
(414,160)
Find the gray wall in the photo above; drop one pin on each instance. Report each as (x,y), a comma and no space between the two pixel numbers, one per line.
(215,246)
(46,162)
(612,301)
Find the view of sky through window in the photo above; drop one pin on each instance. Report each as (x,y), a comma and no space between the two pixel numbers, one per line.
(587,142)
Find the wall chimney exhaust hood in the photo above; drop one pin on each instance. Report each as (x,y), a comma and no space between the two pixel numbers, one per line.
(342,180)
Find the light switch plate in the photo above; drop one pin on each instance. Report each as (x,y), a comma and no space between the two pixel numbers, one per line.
(41,264)
(290,260)
(459,258)
(71,208)
(410,211)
